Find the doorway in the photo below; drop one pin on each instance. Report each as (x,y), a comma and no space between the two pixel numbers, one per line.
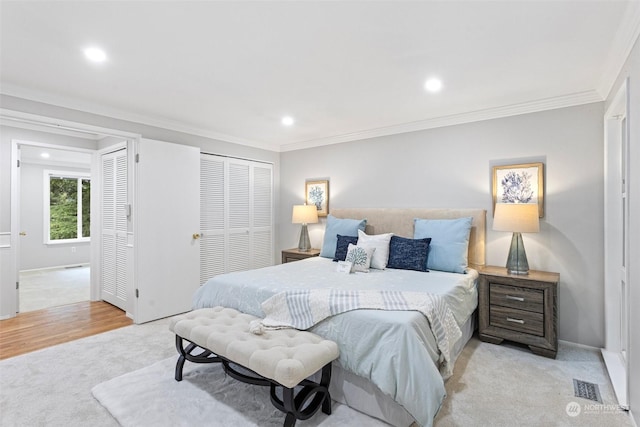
(54,249)
(48,288)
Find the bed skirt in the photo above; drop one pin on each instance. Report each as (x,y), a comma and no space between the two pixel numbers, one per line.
(361,394)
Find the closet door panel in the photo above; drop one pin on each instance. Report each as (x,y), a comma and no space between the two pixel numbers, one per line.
(237,196)
(113,271)
(212,216)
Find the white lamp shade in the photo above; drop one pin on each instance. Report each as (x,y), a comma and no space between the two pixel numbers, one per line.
(516,217)
(304,214)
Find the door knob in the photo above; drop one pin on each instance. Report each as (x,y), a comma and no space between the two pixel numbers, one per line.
(23,233)
(196,236)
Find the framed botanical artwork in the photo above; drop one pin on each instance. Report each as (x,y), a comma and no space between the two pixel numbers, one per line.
(317,193)
(523,183)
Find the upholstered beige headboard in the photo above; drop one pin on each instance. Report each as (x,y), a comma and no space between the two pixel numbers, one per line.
(400,222)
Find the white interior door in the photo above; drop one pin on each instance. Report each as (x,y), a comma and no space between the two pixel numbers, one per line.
(166,218)
(616,239)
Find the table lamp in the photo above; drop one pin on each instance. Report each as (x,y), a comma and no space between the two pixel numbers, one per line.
(304,214)
(517,218)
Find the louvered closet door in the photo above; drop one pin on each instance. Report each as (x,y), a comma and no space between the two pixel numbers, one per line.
(236,215)
(212,216)
(238,255)
(262,216)
(113,272)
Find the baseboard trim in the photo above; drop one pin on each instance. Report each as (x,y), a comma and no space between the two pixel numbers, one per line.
(575,344)
(618,376)
(57,267)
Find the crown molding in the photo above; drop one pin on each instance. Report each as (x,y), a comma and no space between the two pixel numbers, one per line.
(626,37)
(436,122)
(41,127)
(21,119)
(115,113)
(455,119)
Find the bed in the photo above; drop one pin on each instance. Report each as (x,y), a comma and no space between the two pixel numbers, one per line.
(390,365)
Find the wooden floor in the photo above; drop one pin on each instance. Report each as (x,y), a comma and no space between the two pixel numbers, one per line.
(39,329)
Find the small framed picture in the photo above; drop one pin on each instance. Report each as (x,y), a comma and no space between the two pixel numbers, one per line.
(523,183)
(317,193)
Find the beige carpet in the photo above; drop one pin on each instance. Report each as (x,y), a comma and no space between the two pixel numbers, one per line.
(492,385)
(507,385)
(51,288)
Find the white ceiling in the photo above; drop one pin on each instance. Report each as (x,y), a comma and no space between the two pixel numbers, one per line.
(65,158)
(343,70)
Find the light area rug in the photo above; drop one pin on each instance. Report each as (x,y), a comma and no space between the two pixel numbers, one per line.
(206,396)
(492,385)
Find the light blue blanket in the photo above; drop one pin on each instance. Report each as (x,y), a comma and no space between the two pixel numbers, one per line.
(395,350)
(304,308)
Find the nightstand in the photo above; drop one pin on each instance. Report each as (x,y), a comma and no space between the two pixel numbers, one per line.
(520,308)
(290,255)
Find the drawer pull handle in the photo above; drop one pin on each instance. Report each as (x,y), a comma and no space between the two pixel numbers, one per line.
(514,298)
(509,319)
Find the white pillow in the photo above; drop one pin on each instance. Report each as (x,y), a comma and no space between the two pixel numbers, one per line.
(381,243)
(360,256)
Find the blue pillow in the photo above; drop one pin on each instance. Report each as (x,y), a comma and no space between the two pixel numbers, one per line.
(408,254)
(449,246)
(342,246)
(335,226)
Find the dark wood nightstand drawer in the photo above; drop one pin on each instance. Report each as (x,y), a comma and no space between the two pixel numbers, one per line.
(527,322)
(520,308)
(519,298)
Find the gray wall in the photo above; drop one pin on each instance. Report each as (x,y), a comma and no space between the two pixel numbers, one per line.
(451,167)
(631,69)
(34,253)
(208,145)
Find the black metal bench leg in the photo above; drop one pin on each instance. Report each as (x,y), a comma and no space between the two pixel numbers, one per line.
(205,356)
(325,380)
(289,407)
(290,420)
(181,359)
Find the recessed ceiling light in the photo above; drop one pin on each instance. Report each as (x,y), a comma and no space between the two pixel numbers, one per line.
(287,120)
(433,85)
(44,155)
(95,54)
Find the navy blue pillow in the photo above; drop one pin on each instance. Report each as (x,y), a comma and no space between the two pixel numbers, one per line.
(408,254)
(342,246)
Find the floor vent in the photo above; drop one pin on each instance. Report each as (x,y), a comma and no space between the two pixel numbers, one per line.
(586,390)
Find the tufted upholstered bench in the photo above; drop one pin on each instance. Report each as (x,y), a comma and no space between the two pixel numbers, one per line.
(282,358)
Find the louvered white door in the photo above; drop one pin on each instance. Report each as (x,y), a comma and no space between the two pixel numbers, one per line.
(262,216)
(238,224)
(212,216)
(236,211)
(113,272)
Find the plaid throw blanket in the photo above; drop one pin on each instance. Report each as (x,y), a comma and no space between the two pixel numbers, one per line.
(303,308)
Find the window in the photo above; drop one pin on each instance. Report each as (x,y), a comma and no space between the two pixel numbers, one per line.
(67,206)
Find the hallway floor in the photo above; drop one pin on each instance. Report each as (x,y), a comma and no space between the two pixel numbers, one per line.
(51,288)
